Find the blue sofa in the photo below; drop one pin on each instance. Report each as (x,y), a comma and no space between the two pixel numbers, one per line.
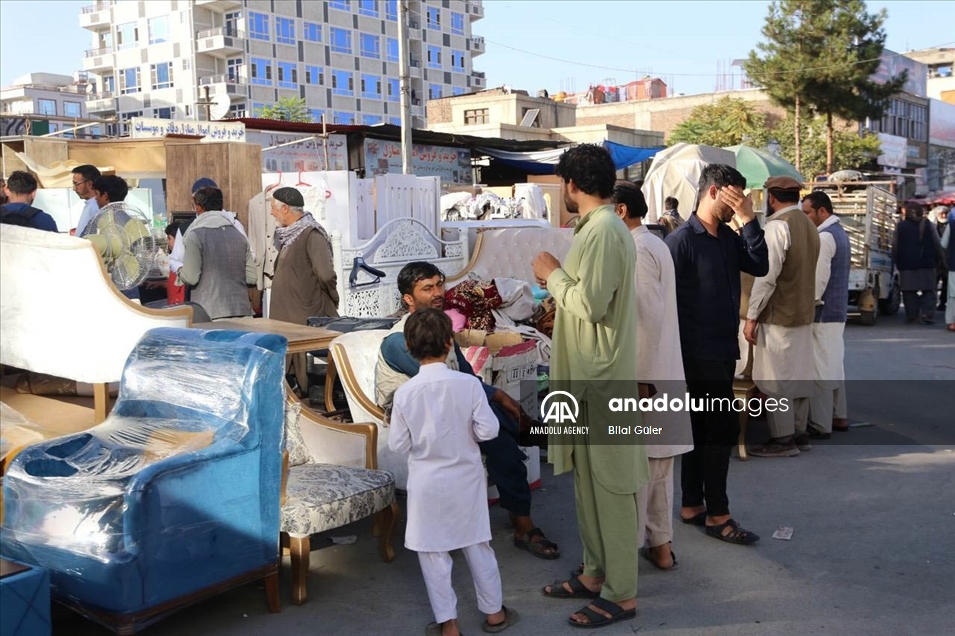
(176,492)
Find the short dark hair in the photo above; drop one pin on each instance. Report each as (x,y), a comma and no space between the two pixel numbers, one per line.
(591,169)
(21,182)
(208,198)
(671,203)
(721,176)
(427,332)
(819,199)
(415,272)
(172,229)
(913,210)
(629,195)
(785,196)
(115,188)
(87,171)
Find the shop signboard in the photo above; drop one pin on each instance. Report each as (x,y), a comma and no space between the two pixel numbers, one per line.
(894,151)
(307,155)
(892,64)
(452,165)
(147,128)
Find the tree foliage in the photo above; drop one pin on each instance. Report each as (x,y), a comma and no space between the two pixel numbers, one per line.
(287,109)
(850,150)
(726,122)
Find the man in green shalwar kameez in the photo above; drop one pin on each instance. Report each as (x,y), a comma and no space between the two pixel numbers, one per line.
(593,357)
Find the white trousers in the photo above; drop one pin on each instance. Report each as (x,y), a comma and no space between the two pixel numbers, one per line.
(793,421)
(829,395)
(655,503)
(436,568)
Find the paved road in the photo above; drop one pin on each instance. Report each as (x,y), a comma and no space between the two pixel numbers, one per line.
(873,551)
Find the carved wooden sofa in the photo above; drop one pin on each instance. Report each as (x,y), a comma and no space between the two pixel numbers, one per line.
(508,253)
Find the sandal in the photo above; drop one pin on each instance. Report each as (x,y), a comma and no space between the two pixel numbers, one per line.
(736,535)
(698,519)
(578,590)
(645,553)
(577,572)
(510,617)
(538,548)
(594,619)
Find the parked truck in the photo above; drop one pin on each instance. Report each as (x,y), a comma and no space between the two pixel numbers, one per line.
(868,211)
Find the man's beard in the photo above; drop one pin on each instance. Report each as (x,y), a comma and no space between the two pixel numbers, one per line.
(571,205)
(725,213)
(438,303)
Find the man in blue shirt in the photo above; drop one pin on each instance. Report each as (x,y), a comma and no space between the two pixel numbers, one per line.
(21,190)
(708,257)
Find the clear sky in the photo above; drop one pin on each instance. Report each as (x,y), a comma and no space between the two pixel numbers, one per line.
(682,41)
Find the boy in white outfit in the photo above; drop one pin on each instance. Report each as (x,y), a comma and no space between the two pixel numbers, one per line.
(438,418)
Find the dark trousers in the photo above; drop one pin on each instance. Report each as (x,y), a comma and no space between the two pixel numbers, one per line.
(916,306)
(704,469)
(505,465)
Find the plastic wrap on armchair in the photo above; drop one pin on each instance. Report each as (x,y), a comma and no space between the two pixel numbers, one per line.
(177,491)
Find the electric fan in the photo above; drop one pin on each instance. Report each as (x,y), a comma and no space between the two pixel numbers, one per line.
(122,235)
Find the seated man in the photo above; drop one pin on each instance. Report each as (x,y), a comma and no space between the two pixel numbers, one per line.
(422,285)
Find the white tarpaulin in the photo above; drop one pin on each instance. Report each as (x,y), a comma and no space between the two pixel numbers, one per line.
(676,173)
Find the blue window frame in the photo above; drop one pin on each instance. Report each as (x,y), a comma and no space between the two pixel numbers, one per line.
(457,60)
(314,75)
(370,86)
(288,75)
(127,36)
(129,81)
(457,90)
(370,120)
(434,91)
(368,7)
(370,46)
(161,75)
(395,121)
(258,26)
(434,18)
(457,23)
(285,30)
(434,57)
(391,10)
(392,50)
(261,73)
(341,5)
(394,90)
(257,109)
(343,83)
(313,32)
(72,109)
(316,114)
(343,117)
(340,40)
(166,113)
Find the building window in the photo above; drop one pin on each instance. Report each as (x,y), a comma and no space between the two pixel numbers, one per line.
(395,121)
(343,83)
(457,90)
(392,50)
(261,71)
(234,69)
(457,23)
(313,32)
(159,30)
(288,74)
(46,106)
(285,30)
(341,117)
(127,36)
(161,75)
(109,84)
(341,5)
(341,40)
(370,46)
(72,109)
(394,90)
(314,75)
(232,24)
(476,116)
(370,120)
(257,109)
(457,60)
(129,81)
(434,18)
(165,113)
(371,86)
(434,91)
(236,111)
(391,10)
(434,57)
(259,26)
(368,7)
(316,114)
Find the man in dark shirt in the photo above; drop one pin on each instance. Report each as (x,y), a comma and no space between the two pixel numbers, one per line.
(708,257)
(20,189)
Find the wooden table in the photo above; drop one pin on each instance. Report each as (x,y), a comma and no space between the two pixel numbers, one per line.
(301,338)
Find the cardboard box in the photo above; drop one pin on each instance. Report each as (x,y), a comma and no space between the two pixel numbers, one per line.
(503,360)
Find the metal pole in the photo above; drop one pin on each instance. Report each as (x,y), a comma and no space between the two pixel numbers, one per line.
(405,83)
(325,140)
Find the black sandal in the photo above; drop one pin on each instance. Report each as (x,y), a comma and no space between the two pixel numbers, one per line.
(594,619)
(737,535)
(578,590)
(645,553)
(699,519)
(538,548)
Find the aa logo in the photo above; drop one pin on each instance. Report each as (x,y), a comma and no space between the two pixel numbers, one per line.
(560,411)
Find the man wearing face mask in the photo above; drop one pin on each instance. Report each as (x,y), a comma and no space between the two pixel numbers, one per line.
(779,322)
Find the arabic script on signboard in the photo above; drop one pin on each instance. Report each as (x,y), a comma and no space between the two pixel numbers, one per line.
(145,128)
(453,165)
(307,155)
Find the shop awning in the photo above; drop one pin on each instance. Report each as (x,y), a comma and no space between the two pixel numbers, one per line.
(544,161)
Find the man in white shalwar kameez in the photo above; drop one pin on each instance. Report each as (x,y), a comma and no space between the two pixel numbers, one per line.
(438,418)
(827,406)
(660,363)
(782,306)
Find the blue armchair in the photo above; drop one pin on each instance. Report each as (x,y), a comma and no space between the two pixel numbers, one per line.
(175,496)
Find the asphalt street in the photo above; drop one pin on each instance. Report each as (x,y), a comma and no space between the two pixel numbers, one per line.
(873,549)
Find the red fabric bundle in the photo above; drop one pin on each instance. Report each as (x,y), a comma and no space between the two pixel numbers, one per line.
(474,299)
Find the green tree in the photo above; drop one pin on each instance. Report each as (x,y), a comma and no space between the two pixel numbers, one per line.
(849,150)
(287,109)
(726,122)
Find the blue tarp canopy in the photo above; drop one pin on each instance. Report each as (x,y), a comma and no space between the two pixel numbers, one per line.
(545,161)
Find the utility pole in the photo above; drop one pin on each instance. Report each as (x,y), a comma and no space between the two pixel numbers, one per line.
(405,86)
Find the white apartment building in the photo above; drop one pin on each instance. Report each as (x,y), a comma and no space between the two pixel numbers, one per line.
(155,58)
(57,100)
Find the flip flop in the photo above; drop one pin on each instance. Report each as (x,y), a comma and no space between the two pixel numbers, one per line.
(510,617)
(698,519)
(645,553)
(538,548)
(578,590)
(616,612)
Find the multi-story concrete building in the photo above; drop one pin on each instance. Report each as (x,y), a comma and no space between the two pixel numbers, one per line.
(941,72)
(156,58)
(51,102)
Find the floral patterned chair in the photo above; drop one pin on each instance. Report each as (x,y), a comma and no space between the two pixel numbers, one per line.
(331,480)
